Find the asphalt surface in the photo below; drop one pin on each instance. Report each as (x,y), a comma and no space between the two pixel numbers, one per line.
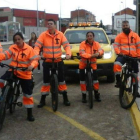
(107,120)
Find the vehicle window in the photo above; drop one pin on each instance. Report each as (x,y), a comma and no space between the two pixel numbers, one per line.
(78,36)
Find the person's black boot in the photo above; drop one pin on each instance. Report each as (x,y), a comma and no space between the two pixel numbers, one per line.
(30,116)
(65,98)
(118,81)
(42,101)
(84,98)
(97,96)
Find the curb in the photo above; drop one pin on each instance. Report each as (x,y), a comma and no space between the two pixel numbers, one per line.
(136,118)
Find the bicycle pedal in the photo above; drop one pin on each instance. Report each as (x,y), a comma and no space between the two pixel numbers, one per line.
(19,104)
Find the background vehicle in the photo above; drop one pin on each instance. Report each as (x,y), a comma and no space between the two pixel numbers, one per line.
(76,34)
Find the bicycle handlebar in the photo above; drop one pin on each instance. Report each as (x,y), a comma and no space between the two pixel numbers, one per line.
(42,58)
(13,67)
(129,57)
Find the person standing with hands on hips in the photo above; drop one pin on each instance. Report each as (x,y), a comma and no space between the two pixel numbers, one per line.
(89,49)
(51,41)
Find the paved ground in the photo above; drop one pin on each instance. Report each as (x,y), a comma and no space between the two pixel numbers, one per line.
(107,120)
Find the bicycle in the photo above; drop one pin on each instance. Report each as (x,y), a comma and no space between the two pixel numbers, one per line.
(54,83)
(10,93)
(129,83)
(89,82)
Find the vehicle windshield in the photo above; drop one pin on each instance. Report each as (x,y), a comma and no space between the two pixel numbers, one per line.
(77,36)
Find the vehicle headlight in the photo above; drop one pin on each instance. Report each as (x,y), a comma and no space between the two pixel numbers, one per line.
(107,55)
(63,55)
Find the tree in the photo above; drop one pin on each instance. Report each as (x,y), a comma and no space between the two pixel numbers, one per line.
(101,25)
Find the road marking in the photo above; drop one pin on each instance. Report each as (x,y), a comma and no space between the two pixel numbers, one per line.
(135,114)
(74,123)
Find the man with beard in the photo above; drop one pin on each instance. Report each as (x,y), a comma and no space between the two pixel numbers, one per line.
(126,43)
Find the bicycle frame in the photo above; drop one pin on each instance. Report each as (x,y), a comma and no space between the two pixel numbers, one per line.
(129,83)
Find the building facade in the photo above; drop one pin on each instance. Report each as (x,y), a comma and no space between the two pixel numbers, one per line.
(28,19)
(81,15)
(125,14)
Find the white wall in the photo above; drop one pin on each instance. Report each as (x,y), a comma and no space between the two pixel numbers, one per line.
(118,21)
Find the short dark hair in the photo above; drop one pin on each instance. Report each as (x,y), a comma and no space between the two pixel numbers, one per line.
(52,20)
(125,21)
(18,33)
(90,32)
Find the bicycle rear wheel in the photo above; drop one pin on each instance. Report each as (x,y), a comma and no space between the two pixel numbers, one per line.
(3,104)
(90,89)
(54,92)
(128,90)
(14,98)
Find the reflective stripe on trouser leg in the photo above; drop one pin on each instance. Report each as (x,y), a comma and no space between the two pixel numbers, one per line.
(28,102)
(45,89)
(62,87)
(117,68)
(96,84)
(134,82)
(2,83)
(83,86)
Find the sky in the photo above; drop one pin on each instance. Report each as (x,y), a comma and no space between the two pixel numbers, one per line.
(102,9)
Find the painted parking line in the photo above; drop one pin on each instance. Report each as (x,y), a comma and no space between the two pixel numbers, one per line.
(89,132)
(135,113)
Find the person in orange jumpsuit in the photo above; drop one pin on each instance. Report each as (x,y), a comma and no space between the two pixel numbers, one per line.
(22,55)
(126,43)
(1,48)
(51,41)
(89,49)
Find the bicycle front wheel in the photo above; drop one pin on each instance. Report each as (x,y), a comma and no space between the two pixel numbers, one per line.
(128,90)
(90,89)
(3,104)
(54,92)
(14,98)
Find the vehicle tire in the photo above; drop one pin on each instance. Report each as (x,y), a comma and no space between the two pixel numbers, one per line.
(14,98)
(3,104)
(111,78)
(128,90)
(54,92)
(90,89)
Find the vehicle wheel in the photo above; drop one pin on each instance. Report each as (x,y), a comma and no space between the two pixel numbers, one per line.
(90,90)
(54,92)
(14,98)
(128,91)
(111,78)
(3,104)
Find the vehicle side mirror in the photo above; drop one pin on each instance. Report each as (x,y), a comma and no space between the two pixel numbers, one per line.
(112,41)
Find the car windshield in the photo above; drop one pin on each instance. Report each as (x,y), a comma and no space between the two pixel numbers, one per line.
(77,36)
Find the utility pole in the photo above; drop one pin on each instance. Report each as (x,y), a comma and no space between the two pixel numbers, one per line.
(137,15)
(37,20)
(60,17)
(125,9)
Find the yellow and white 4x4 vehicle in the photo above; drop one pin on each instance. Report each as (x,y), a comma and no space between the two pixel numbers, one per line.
(77,34)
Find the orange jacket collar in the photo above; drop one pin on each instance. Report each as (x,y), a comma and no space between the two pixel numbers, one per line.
(17,48)
(56,32)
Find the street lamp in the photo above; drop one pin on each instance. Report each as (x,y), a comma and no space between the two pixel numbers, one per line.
(78,15)
(60,16)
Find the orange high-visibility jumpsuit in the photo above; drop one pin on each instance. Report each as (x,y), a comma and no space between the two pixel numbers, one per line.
(86,51)
(127,45)
(51,45)
(21,58)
